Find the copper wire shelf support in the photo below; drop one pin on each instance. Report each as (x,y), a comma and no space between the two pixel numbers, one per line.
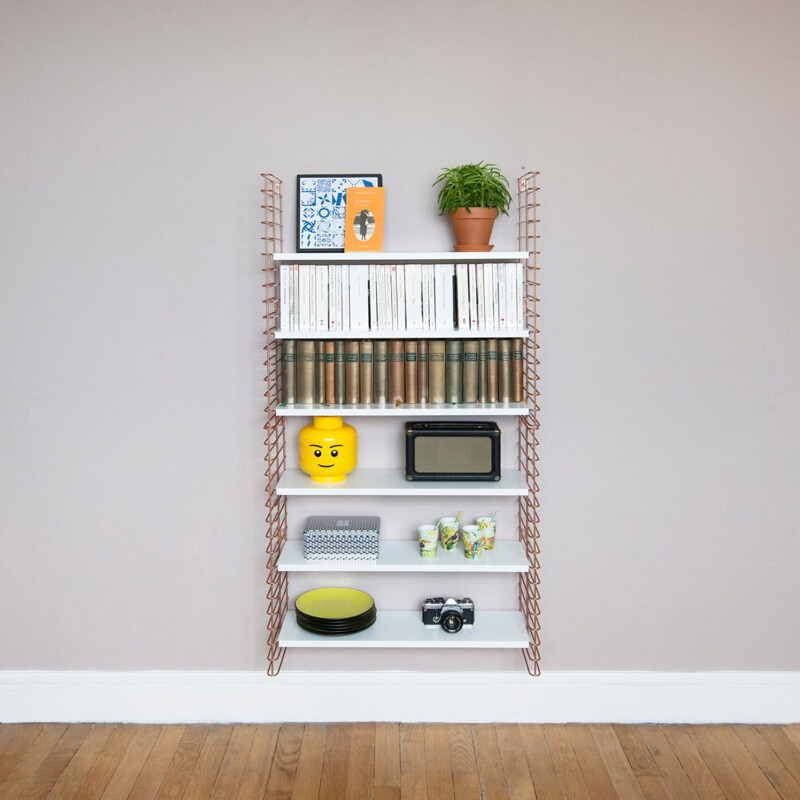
(275,426)
(528,505)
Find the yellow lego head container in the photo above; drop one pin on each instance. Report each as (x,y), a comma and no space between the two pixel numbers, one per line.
(328,449)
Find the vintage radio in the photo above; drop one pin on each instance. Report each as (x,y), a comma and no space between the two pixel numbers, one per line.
(452,451)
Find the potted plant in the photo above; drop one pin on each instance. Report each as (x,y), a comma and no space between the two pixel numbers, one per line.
(472,196)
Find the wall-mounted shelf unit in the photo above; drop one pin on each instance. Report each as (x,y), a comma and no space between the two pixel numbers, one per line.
(392,483)
(406,410)
(404,557)
(494,629)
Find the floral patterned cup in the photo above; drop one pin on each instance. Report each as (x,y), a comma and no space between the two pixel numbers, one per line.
(472,538)
(486,527)
(448,530)
(428,540)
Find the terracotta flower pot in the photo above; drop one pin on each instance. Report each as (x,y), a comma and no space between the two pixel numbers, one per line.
(473,228)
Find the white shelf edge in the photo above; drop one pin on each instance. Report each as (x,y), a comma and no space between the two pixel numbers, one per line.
(408,410)
(516,333)
(404,629)
(365,482)
(403,556)
(401,258)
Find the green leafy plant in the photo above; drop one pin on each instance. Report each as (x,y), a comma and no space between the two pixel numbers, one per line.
(473,186)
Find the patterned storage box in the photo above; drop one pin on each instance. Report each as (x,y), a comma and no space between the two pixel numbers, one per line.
(341,538)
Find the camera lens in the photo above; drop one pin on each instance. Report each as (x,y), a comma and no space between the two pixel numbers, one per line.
(452,622)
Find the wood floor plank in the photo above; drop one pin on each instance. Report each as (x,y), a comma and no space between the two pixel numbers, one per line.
(157,764)
(515,765)
(675,779)
(284,762)
(701,777)
(30,760)
(616,763)
(57,760)
(361,769)
(592,766)
(259,763)
(490,763)
(105,765)
(183,762)
(565,763)
(783,747)
(647,772)
(231,770)
(714,756)
(17,739)
(744,764)
(540,763)
(768,762)
(205,772)
(438,771)
(335,763)
(78,768)
(309,766)
(387,761)
(131,764)
(413,784)
(463,764)
(792,733)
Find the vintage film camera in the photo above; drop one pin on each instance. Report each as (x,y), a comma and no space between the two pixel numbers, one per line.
(451,614)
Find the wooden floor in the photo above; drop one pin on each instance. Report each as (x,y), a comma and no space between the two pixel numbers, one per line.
(436,762)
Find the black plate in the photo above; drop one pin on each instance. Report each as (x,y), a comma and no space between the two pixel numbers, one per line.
(324,621)
(337,630)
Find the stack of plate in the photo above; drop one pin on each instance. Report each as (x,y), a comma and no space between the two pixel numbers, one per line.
(334,611)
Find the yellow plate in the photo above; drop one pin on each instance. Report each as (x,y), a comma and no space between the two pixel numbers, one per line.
(334,602)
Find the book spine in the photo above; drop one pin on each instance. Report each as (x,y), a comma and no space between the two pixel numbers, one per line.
(500,272)
(396,370)
(380,389)
(312,297)
(373,298)
(488,288)
(436,370)
(319,371)
(351,371)
(470,372)
(520,296)
(422,371)
(504,385)
(365,373)
(304,350)
(481,273)
(511,296)
(287,371)
(411,371)
(491,370)
(516,368)
(496,295)
(450,296)
(401,297)
(462,296)
(322,297)
(452,375)
(285,277)
(338,371)
(346,319)
(482,396)
(425,318)
(472,271)
(304,304)
(330,373)
(294,300)
(393,297)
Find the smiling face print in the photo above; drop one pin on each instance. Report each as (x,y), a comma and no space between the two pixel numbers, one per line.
(328,449)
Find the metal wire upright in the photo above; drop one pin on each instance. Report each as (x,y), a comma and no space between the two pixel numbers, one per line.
(528,506)
(275,426)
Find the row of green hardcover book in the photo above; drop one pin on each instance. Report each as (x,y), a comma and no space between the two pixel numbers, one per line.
(394,371)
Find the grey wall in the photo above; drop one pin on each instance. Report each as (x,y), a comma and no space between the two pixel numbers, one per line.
(130,333)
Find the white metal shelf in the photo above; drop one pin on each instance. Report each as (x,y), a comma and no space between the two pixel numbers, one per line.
(399,258)
(391,482)
(406,410)
(403,556)
(516,333)
(404,629)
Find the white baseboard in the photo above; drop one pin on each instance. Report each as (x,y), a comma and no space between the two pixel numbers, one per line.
(172,697)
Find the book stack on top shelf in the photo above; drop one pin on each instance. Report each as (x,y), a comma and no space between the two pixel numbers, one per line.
(401,371)
(331,298)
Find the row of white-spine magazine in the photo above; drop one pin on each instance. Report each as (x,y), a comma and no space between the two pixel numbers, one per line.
(401,297)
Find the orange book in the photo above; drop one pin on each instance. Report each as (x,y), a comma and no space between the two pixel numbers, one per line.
(363,229)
